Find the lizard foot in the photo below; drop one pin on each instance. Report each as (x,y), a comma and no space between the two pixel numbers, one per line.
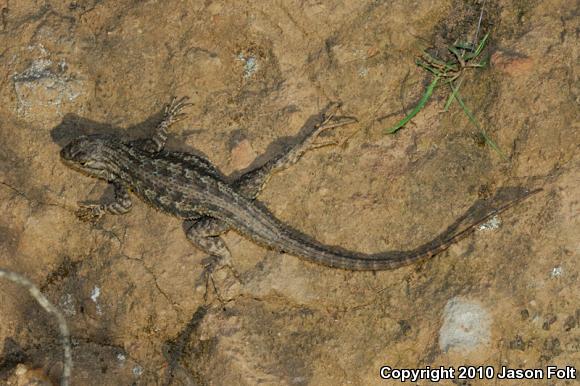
(220,278)
(173,111)
(90,212)
(330,121)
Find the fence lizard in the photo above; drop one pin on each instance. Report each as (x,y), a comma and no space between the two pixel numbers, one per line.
(189,187)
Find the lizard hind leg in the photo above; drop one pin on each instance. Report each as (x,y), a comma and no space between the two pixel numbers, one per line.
(205,233)
(251,183)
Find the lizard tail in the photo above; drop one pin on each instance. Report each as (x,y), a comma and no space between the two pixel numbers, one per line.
(308,249)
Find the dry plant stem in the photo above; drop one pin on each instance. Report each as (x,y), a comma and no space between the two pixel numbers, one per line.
(479,23)
(51,309)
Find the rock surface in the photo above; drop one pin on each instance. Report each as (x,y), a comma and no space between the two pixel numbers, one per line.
(256,71)
(466,326)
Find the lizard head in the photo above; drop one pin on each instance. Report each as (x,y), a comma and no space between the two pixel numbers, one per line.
(88,154)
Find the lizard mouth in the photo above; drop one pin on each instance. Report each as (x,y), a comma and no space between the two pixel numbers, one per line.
(87,169)
(72,156)
(67,153)
(78,166)
(67,157)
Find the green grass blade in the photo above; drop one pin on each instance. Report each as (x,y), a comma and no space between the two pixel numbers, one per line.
(427,67)
(420,105)
(456,52)
(464,46)
(454,91)
(481,44)
(493,145)
(467,112)
(464,107)
(436,62)
(479,48)
(431,59)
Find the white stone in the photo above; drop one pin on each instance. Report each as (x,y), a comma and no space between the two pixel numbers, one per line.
(466,326)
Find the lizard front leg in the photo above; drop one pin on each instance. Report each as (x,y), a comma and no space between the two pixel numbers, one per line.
(173,113)
(252,183)
(121,204)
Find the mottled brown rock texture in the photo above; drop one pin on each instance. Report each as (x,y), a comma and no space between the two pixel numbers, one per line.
(255,72)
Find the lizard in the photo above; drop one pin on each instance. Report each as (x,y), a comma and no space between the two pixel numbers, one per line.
(192,189)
